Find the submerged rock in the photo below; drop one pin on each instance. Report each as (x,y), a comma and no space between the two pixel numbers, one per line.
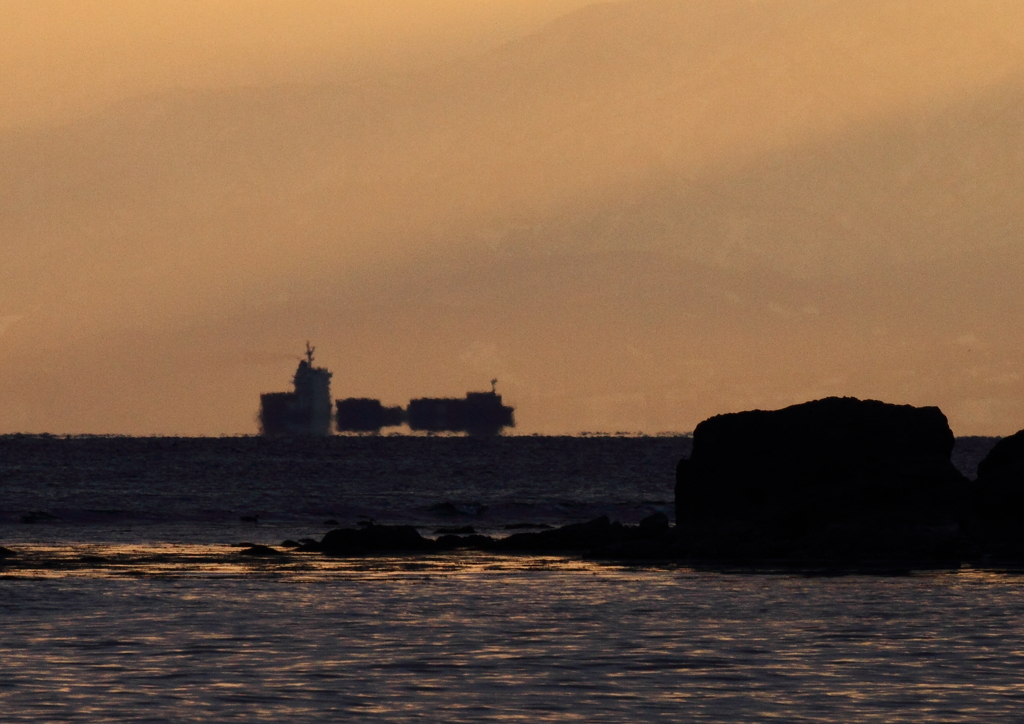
(449,508)
(38,516)
(599,536)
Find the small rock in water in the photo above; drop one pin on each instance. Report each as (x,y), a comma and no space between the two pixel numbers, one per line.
(596,533)
(308,545)
(373,538)
(6,552)
(260,550)
(476,542)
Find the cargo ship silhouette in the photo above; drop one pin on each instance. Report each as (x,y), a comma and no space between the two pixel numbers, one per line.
(308,410)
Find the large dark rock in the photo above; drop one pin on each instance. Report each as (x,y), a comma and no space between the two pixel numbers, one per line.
(997,514)
(1000,485)
(819,479)
(1004,460)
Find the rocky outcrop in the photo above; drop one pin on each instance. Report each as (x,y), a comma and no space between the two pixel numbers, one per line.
(599,536)
(577,537)
(834,478)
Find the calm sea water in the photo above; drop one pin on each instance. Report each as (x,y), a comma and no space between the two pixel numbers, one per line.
(198,490)
(127,601)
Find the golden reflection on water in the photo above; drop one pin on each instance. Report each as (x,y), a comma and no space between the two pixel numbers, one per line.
(112,560)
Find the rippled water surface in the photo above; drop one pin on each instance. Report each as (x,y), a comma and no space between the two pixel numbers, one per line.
(196,490)
(477,638)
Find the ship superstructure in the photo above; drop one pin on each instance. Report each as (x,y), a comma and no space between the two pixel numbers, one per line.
(307,410)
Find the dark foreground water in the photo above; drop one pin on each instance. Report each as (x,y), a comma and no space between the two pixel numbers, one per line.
(127,601)
(480,640)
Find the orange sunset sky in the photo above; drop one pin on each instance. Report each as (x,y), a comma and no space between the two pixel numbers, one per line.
(634,214)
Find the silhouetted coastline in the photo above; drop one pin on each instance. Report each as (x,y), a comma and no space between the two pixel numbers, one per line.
(833,482)
(829,485)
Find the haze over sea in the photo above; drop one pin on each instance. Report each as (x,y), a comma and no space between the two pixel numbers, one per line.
(634,214)
(128,601)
